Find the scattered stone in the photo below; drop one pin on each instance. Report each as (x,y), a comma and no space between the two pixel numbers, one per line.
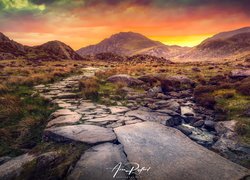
(89,134)
(118,109)
(98,162)
(239,73)
(170,151)
(184,129)
(173,121)
(198,123)
(209,124)
(62,112)
(132,122)
(223,126)
(104,119)
(148,116)
(68,119)
(187,111)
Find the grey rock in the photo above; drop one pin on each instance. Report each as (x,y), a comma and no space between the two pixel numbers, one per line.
(209,124)
(184,129)
(172,155)
(98,162)
(62,112)
(118,109)
(108,118)
(224,126)
(198,123)
(12,168)
(89,134)
(187,111)
(148,116)
(237,73)
(68,119)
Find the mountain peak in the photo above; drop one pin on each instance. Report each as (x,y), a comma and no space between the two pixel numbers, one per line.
(3,37)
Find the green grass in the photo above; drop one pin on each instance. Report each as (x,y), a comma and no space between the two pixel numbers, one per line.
(22,120)
(235,108)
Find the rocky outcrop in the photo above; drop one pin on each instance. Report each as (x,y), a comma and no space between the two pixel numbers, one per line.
(99,161)
(88,134)
(173,155)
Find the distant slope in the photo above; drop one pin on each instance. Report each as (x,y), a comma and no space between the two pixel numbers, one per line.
(53,50)
(129,44)
(228,45)
(10,49)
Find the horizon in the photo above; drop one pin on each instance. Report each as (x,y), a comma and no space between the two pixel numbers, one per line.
(80,23)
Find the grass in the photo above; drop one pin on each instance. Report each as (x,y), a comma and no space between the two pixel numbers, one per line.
(235,107)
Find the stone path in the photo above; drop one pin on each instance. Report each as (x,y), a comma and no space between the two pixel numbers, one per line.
(134,134)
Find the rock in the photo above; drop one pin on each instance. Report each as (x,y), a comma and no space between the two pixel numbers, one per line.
(198,123)
(98,162)
(172,155)
(239,73)
(154,91)
(133,122)
(196,69)
(167,111)
(209,124)
(223,126)
(126,79)
(173,121)
(108,118)
(68,119)
(62,112)
(184,129)
(187,111)
(12,168)
(66,95)
(171,104)
(118,109)
(89,134)
(148,116)
(4,159)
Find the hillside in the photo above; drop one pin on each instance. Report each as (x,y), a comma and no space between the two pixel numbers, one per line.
(53,50)
(130,43)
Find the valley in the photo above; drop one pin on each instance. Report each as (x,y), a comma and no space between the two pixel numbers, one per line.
(126,100)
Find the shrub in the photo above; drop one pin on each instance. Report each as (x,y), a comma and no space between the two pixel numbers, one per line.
(89,87)
(244,87)
(206,100)
(203,89)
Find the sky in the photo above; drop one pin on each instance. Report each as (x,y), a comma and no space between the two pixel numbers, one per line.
(79,23)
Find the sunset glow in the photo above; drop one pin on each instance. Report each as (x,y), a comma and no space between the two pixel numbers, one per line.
(83,22)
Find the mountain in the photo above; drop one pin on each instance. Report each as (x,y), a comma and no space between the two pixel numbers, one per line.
(129,44)
(228,34)
(226,45)
(10,49)
(53,50)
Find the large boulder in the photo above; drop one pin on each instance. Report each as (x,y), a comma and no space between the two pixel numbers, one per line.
(98,163)
(124,79)
(240,73)
(171,155)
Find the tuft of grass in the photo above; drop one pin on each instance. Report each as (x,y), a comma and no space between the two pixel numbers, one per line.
(235,108)
(89,87)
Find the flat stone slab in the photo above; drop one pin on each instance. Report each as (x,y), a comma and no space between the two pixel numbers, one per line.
(68,119)
(62,112)
(13,167)
(98,162)
(89,134)
(148,116)
(118,109)
(172,155)
(104,119)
